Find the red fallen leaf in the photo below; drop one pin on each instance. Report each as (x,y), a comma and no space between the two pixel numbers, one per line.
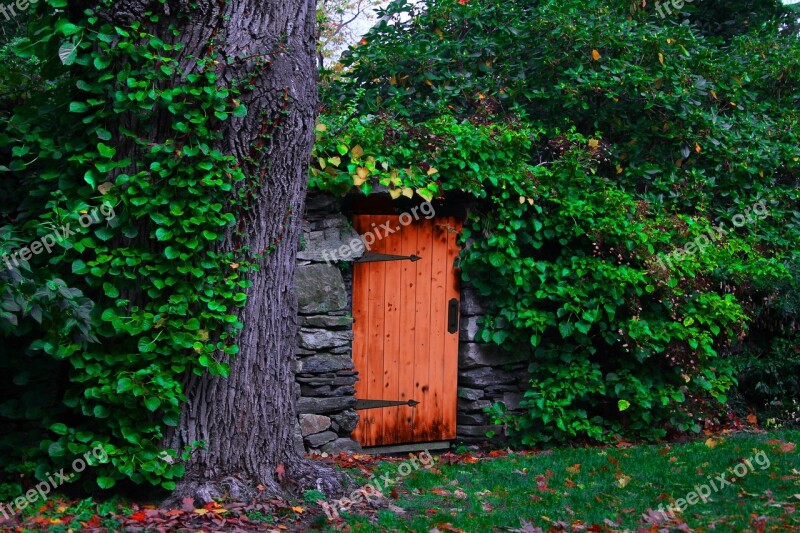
(569,483)
(449,458)
(498,453)
(92,522)
(468,459)
(787,447)
(139,517)
(537,498)
(175,512)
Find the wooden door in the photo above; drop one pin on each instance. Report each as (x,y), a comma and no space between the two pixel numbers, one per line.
(404,349)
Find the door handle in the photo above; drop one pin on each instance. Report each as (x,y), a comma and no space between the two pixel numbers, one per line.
(452,316)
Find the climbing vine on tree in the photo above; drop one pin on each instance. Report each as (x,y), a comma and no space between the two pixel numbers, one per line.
(159,296)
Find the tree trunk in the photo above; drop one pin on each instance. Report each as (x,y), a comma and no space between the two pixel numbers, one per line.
(247,419)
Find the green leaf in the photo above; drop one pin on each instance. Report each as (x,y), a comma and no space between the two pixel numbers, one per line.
(623,404)
(67,53)
(106,151)
(78,107)
(152,403)
(106,482)
(59,428)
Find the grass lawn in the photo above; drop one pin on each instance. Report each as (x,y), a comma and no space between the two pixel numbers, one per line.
(568,489)
(602,489)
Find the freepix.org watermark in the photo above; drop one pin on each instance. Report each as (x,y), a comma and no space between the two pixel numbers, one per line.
(676,4)
(703,492)
(58,235)
(373,488)
(20,5)
(378,232)
(700,243)
(53,481)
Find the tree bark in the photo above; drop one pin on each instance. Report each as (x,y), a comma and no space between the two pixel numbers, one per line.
(247,419)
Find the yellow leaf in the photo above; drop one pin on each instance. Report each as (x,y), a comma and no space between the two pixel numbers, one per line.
(714,94)
(395,193)
(362,173)
(697,148)
(733,104)
(670,41)
(432,171)
(357,151)
(595,55)
(522,199)
(530,201)
(322,163)
(358,181)
(234,265)
(429,82)
(661,58)
(298,509)
(393,80)
(619,169)
(594,143)
(322,127)
(335,161)
(201,512)
(425,193)
(103,188)
(408,192)
(711,443)
(439,32)
(623,480)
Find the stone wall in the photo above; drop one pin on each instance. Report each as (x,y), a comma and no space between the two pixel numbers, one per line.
(325,373)
(485,375)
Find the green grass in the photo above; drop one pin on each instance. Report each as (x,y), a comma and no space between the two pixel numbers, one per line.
(610,487)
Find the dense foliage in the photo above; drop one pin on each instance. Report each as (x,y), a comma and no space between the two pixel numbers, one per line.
(599,140)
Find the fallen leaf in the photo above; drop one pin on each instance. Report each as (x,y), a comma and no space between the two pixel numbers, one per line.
(711,443)
(298,510)
(787,447)
(574,469)
(595,55)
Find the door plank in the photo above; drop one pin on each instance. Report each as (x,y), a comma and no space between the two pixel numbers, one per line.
(438,327)
(393,335)
(450,389)
(408,296)
(375,344)
(423,413)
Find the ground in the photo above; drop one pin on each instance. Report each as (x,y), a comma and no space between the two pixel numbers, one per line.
(746,481)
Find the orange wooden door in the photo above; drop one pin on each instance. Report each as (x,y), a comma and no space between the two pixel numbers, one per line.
(402,348)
